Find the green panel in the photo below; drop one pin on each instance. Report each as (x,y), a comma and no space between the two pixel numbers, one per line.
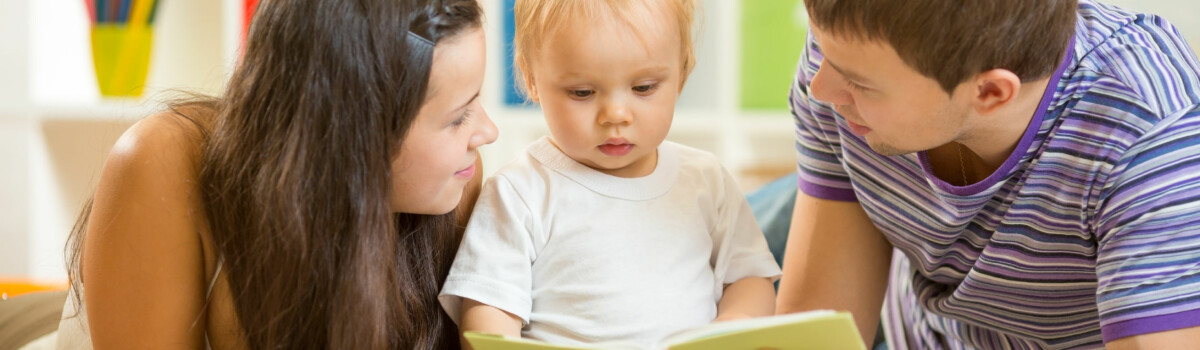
(772,33)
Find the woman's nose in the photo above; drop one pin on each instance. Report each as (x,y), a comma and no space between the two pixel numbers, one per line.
(487,132)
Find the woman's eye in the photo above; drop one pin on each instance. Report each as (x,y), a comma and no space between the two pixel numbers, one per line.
(581,93)
(461,119)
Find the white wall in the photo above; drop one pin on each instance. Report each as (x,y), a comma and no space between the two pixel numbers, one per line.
(14,143)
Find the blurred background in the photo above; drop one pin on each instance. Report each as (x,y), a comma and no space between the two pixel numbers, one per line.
(58,120)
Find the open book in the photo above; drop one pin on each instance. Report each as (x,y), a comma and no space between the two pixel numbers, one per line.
(822,329)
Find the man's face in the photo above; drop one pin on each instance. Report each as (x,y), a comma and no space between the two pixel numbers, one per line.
(883,100)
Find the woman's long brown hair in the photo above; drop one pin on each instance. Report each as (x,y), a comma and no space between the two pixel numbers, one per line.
(295,177)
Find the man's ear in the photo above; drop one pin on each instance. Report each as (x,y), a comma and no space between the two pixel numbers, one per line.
(993,90)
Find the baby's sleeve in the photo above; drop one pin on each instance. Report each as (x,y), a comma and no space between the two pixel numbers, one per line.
(741,248)
(494,262)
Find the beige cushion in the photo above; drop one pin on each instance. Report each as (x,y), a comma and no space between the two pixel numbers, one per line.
(27,317)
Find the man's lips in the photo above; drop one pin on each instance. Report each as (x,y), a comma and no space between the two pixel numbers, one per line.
(857,129)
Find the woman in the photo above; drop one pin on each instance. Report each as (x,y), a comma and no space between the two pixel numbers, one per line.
(308,207)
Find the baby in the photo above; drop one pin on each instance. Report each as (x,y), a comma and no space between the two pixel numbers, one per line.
(604,231)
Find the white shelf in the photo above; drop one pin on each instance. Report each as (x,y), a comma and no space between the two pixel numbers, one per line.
(118,110)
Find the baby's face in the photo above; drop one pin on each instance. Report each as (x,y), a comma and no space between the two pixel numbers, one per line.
(608,92)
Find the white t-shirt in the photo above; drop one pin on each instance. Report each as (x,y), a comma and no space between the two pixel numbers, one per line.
(581,256)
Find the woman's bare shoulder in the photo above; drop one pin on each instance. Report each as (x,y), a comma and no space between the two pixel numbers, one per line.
(170,141)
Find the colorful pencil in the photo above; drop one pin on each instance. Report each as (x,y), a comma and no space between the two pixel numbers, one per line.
(154,11)
(91,9)
(123,11)
(114,7)
(141,12)
(100,6)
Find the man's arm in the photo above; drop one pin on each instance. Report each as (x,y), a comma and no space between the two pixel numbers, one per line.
(836,259)
(1187,338)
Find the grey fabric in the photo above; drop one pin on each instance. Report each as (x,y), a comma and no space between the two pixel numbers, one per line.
(772,206)
(30,316)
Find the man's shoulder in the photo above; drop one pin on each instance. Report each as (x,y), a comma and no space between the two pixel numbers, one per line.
(1132,59)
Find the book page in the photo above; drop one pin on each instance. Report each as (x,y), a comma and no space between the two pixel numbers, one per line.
(820,329)
(484,341)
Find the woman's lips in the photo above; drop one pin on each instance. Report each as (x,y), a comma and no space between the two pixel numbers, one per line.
(467,173)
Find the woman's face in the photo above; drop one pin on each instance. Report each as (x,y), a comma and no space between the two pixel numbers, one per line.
(438,155)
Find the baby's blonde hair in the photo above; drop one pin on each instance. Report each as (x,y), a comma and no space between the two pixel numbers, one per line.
(536,19)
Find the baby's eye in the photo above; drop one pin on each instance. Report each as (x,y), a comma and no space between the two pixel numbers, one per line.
(643,89)
(580,94)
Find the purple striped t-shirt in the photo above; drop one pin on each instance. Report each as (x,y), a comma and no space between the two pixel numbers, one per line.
(1089,232)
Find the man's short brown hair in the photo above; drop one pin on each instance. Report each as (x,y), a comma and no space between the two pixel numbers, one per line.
(952,40)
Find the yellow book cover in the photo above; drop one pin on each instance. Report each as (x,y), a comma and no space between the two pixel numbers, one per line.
(821,329)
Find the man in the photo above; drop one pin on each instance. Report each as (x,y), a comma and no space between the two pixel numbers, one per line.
(1034,164)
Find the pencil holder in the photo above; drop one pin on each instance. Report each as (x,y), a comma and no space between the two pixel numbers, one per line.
(121,55)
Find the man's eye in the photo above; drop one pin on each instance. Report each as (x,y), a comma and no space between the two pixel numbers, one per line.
(854,86)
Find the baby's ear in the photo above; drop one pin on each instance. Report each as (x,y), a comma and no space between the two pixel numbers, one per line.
(531,90)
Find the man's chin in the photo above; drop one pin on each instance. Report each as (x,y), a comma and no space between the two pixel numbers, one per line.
(886,150)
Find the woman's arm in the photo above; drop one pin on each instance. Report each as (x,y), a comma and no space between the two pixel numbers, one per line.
(143,263)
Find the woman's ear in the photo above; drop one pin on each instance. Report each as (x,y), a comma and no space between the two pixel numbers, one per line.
(994,89)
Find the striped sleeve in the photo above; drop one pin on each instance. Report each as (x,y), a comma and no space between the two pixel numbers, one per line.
(818,143)
(1148,259)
